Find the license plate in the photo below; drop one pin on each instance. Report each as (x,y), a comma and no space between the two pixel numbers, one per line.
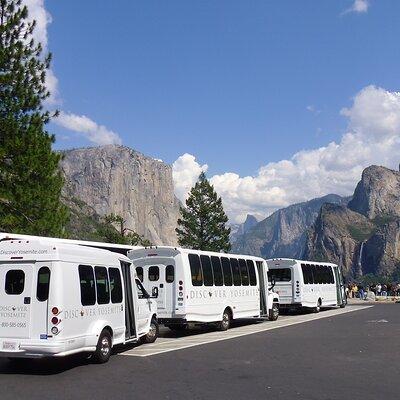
(9,346)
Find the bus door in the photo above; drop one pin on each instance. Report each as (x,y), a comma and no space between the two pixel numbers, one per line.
(40,300)
(130,323)
(263,282)
(16,296)
(338,282)
(284,283)
(160,279)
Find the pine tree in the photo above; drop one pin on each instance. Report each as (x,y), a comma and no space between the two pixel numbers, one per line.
(121,234)
(202,224)
(30,181)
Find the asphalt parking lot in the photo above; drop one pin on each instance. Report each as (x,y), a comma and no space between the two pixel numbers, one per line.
(331,355)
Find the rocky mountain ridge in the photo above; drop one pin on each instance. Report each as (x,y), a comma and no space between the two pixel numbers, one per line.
(283,233)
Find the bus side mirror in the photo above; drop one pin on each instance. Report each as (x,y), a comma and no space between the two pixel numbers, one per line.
(272,283)
(154,292)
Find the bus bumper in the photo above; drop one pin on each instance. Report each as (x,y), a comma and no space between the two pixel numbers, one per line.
(37,349)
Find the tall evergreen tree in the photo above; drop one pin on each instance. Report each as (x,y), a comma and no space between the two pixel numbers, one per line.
(30,181)
(202,224)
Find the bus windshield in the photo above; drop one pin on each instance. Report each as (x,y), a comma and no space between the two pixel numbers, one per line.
(280,274)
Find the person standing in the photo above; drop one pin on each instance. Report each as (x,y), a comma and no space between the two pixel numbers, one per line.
(361,292)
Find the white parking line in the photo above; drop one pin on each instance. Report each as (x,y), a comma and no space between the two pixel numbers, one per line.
(163,345)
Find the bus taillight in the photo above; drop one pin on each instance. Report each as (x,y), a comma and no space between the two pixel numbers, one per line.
(55,311)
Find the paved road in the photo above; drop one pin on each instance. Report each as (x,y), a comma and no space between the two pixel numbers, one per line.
(352,355)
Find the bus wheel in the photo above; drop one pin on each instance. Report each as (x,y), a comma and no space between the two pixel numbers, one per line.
(274,312)
(226,321)
(317,309)
(152,335)
(103,350)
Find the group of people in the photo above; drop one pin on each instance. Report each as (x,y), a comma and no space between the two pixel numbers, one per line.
(360,291)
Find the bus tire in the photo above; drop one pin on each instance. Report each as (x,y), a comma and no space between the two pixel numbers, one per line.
(103,349)
(152,335)
(317,309)
(274,312)
(225,323)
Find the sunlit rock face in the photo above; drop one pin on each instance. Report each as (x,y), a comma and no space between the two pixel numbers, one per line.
(116,179)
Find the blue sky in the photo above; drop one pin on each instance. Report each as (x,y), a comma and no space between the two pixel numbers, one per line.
(229,81)
(236,84)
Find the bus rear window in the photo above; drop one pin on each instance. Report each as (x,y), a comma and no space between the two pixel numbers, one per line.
(280,274)
(154,273)
(43,284)
(15,281)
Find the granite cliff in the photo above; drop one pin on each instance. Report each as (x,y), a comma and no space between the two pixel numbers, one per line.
(364,236)
(116,179)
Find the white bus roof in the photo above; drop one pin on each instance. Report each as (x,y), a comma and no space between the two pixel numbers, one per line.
(120,248)
(170,251)
(275,262)
(46,250)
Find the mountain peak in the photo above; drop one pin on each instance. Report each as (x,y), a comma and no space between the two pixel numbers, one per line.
(378,193)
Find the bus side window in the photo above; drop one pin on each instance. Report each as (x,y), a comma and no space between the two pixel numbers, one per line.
(169,273)
(331,277)
(43,284)
(195,270)
(327,277)
(217,270)
(252,273)
(139,273)
(115,285)
(236,272)
(102,285)
(88,291)
(307,274)
(244,273)
(15,281)
(207,271)
(226,268)
(317,273)
(154,273)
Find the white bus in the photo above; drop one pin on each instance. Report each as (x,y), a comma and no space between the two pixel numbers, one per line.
(60,299)
(199,287)
(115,248)
(307,284)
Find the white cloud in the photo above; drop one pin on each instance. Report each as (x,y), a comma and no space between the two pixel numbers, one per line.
(38,12)
(373,137)
(185,171)
(95,133)
(313,109)
(359,6)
